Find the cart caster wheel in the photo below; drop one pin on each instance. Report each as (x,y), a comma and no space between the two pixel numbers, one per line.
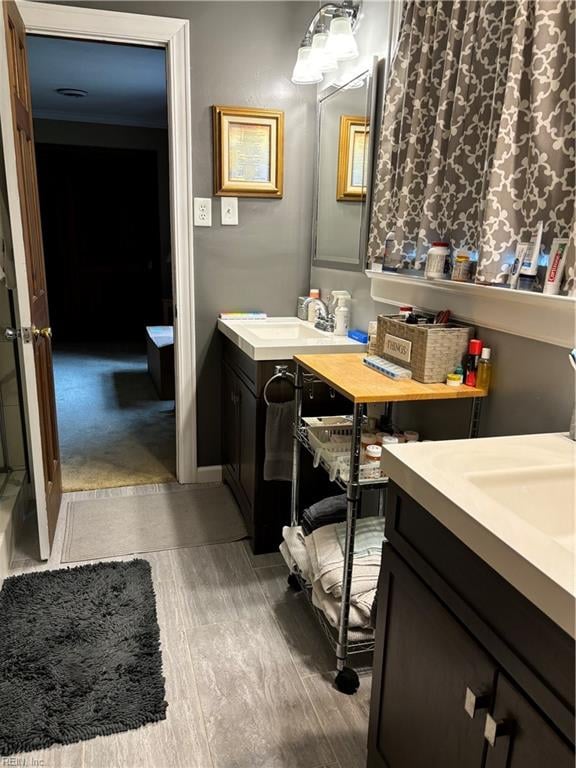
(347,681)
(293,583)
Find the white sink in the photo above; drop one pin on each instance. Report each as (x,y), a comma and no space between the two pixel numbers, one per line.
(541,496)
(273,330)
(280,338)
(512,500)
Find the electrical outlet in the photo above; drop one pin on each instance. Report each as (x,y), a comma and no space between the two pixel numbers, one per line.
(202,212)
(229,210)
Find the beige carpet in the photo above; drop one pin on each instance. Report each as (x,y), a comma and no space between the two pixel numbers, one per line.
(126,525)
(113,429)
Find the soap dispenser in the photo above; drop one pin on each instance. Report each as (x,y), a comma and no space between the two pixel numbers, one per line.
(342,317)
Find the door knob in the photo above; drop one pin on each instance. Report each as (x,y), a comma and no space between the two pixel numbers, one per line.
(10,334)
(494,729)
(476,702)
(45,332)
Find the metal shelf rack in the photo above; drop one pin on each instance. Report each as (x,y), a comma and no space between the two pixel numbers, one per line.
(346,374)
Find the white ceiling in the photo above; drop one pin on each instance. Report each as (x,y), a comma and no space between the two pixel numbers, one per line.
(126,84)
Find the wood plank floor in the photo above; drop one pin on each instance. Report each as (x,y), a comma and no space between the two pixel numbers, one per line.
(248,671)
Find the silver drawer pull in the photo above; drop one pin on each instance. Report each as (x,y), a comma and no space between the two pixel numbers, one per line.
(476,702)
(494,729)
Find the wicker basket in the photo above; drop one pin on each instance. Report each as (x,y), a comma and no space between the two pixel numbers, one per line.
(431,351)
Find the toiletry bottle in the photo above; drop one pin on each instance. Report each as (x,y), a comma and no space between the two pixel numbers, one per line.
(484,372)
(472,359)
(312,308)
(342,317)
(436,260)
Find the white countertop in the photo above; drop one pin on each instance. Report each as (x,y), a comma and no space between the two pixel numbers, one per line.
(280,338)
(511,500)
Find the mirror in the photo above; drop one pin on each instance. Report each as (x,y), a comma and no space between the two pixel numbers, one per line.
(343,175)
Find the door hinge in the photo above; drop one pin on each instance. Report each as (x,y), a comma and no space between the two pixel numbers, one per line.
(11,334)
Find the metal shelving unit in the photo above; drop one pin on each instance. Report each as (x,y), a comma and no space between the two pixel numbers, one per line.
(348,376)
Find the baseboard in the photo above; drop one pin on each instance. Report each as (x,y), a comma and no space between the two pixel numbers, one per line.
(209,474)
(9,507)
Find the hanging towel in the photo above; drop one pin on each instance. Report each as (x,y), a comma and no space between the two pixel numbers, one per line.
(278,441)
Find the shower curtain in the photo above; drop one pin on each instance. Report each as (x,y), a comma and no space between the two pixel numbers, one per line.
(477,140)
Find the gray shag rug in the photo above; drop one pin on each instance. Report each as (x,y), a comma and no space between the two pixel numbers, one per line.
(79,655)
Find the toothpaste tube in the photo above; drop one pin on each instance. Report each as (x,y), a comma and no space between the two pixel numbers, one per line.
(556,264)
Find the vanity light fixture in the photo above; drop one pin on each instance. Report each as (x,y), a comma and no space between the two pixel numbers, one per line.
(324,47)
(341,43)
(306,70)
(322,57)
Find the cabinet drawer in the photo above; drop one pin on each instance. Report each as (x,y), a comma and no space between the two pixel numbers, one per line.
(525,642)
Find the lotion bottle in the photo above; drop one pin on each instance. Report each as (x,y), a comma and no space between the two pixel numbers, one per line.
(342,318)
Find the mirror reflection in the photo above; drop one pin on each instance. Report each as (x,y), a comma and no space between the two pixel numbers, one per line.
(342,174)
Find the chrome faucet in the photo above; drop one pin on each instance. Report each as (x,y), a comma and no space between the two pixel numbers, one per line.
(322,308)
(325,320)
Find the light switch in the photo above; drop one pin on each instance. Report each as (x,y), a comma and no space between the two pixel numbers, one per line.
(202,212)
(229,210)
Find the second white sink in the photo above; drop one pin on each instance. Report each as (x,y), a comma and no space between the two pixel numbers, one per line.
(542,496)
(512,500)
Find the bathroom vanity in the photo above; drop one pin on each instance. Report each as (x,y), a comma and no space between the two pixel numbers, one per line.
(474,659)
(251,351)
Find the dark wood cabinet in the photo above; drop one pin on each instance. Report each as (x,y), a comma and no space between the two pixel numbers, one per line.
(526,739)
(428,662)
(467,672)
(265,505)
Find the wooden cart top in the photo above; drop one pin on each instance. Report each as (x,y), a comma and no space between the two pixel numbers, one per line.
(347,374)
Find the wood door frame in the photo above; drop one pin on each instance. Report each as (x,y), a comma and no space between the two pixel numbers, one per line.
(174,36)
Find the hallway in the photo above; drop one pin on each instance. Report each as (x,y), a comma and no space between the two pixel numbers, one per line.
(113,428)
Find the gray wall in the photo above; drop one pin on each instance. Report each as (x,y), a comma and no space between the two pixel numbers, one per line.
(242,54)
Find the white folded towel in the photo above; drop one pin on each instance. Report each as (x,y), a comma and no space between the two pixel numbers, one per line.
(294,551)
(359,615)
(327,563)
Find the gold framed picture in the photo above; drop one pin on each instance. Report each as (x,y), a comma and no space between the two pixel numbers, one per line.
(248,152)
(352,158)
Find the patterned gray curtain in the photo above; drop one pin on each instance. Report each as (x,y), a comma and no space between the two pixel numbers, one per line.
(477,141)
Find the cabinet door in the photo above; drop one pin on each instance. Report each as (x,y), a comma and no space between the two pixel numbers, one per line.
(247,416)
(424,663)
(230,432)
(518,735)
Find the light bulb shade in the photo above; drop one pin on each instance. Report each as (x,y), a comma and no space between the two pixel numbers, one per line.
(341,43)
(306,72)
(320,56)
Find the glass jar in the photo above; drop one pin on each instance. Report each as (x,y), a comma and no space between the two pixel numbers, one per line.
(462,269)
